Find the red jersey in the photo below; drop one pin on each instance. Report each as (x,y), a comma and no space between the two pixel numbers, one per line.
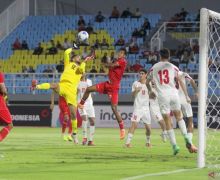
(115,73)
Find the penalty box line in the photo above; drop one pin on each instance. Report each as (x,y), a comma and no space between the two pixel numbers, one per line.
(159,174)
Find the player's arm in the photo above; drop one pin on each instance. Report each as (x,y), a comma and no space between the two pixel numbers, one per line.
(182,85)
(52,100)
(135,90)
(195,88)
(110,65)
(152,95)
(3,89)
(67,56)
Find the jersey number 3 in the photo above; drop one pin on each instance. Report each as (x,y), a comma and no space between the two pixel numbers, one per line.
(164,76)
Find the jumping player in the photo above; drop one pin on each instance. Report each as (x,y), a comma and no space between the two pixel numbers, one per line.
(141,108)
(111,87)
(5,116)
(88,112)
(67,87)
(165,75)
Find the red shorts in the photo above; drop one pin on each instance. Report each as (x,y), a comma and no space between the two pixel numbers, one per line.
(63,106)
(110,89)
(5,115)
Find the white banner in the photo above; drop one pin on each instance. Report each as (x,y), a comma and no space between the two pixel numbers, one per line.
(105,117)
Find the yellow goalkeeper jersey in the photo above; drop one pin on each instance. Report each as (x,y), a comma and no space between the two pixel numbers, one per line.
(72,72)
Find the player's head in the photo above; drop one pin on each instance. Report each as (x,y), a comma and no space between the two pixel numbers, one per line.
(164,54)
(75,57)
(143,74)
(122,53)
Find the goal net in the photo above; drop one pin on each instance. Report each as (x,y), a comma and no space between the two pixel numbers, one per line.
(209,90)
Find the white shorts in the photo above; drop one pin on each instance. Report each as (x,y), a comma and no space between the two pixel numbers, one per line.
(169,103)
(155,110)
(88,110)
(141,114)
(186,109)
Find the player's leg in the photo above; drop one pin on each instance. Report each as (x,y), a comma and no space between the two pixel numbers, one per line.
(86,95)
(131,131)
(45,86)
(5,118)
(148,134)
(84,128)
(63,125)
(91,115)
(164,103)
(91,131)
(72,109)
(187,112)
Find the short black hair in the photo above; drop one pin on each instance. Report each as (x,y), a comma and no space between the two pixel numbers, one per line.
(165,53)
(123,49)
(143,70)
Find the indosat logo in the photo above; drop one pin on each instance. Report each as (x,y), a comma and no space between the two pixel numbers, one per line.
(106,115)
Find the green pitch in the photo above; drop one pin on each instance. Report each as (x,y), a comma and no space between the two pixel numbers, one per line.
(41,154)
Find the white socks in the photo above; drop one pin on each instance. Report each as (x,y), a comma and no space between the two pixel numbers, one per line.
(129,138)
(171,136)
(147,139)
(190,136)
(182,127)
(91,132)
(84,129)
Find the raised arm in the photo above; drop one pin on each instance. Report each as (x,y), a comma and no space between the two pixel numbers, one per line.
(67,56)
(110,65)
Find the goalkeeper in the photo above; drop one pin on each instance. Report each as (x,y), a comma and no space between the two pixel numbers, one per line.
(67,87)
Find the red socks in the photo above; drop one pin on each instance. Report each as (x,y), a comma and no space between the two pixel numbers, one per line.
(121,125)
(4,132)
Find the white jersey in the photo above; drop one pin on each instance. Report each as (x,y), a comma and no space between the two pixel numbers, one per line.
(183,77)
(142,97)
(81,90)
(163,74)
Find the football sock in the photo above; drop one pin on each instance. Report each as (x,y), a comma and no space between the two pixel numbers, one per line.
(182,127)
(4,132)
(91,132)
(171,136)
(44,86)
(190,135)
(121,124)
(70,128)
(147,139)
(74,126)
(84,129)
(129,138)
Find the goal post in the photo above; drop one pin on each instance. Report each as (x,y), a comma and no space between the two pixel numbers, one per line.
(209,89)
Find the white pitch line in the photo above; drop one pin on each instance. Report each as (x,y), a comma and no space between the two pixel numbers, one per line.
(159,174)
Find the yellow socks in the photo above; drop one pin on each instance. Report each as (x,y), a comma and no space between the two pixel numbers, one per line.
(74,126)
(44,86)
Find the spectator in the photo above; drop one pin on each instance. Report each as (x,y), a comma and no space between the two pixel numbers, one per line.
(137,13)
(66,44)
(60,67)
(85,52)
(152,58)
(24,45)
(115,13)
(135,33)
(142,33)
(99,17)
(16,45)
(31,69)
(81,21)
(52,49)
(137,66)
(38,50)
(89,29)
(126,13)
(101,70)
(112,56)
(93,70)
(24,69)
(81,28)
(104,58)
(195,48)
(128,68)
(133,47)
(120,41)
(183,13)
(59,46)
(179,52)
(146,26)
(185,58)
(104,44)
(97,44)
